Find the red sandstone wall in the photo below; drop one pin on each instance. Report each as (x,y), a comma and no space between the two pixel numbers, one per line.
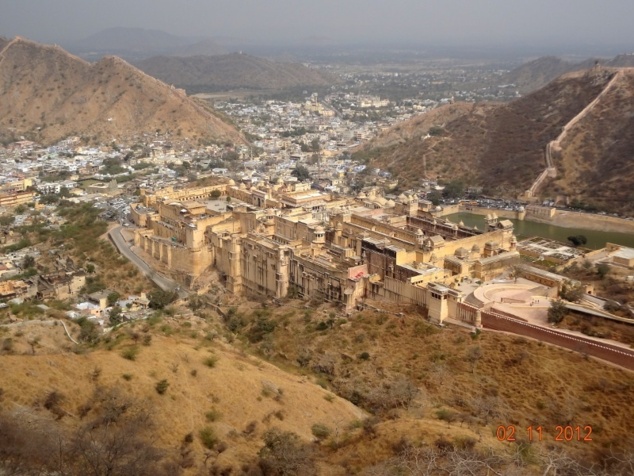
(617,355)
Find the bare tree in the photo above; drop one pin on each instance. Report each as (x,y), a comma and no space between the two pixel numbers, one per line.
(116,449)
(622,462)
(488,407)
(113,440)
(556,461)
(392,394)
(284,454)
(474,354)
(442,459)
(33,448)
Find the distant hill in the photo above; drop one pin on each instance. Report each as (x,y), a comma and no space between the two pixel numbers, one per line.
(622,61)
(234,71)
(47,94)
(138,43)
(536,74)
(502,146)
(206,47)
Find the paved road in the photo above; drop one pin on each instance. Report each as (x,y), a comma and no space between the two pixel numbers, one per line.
(162,282)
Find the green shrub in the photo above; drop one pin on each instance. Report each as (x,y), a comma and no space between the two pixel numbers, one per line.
(213,415)
(208,437)
(260,328)
(162,386)
(160,299)
(320,431)
(130,353)
(211,361)
(446,415)
(557,312)
(435,131)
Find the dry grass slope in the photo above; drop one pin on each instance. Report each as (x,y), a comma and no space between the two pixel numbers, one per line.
(209,384)
(48,94)
(473,384)
(427,392)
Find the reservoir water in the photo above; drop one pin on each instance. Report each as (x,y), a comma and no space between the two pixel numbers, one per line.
(526,229)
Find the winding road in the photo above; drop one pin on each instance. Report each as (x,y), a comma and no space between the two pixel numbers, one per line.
(166,284)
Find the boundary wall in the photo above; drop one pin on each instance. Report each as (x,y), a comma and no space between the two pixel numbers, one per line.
(611,353)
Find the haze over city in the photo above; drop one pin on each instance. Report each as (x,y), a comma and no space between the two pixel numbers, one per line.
(454,22)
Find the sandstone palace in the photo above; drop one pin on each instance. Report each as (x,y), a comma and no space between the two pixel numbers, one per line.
(289,240)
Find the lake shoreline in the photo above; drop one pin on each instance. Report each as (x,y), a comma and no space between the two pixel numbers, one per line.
(561,218)
(596,234)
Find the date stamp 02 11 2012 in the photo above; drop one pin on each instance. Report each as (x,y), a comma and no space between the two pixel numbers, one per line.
(563,433)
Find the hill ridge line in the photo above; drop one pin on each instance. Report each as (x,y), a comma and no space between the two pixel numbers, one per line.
(173,90)
(6,48)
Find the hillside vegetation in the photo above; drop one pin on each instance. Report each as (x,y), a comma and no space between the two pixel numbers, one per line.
(595,161)
(160,397)
(78,240)
(47,95)
(370,394)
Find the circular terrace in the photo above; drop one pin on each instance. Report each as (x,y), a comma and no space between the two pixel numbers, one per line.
(526,300)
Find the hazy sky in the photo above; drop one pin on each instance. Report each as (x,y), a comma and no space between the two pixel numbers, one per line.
(539,22)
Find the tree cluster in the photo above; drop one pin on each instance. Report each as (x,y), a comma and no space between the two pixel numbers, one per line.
(301,173)
(112,439)
(160,299)
(557,312)
(578,240)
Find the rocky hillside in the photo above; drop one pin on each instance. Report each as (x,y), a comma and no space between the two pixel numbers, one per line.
(502,146)
(234,71)
(594,162)
(47,95)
